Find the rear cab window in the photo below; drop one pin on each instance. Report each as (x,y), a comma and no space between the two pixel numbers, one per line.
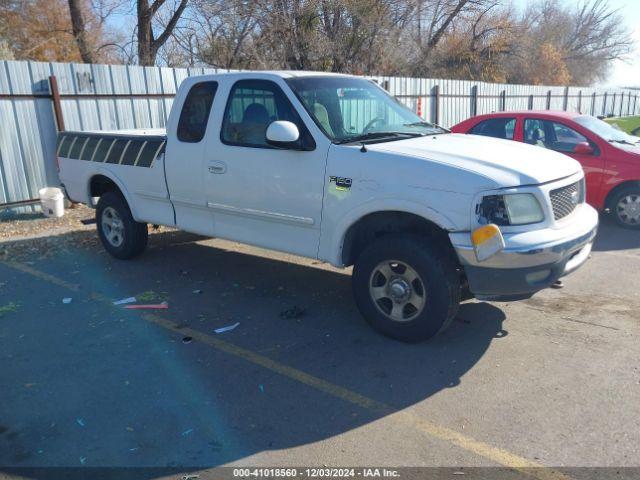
(195,112)
(503,127)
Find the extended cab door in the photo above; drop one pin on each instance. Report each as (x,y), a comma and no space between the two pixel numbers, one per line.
(185,163)
(257,193)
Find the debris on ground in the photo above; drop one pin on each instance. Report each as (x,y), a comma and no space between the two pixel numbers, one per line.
(82,460)
(9,308)
(80,422)
(294,312)
(67,300)
(197,291)
(27,236)
(34,223)
(156,306)
(187,432)
(186,340)
(125,301)
(261,387)
(227,328)
(147,296)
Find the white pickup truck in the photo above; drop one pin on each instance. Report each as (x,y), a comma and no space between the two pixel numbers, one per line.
(332,167)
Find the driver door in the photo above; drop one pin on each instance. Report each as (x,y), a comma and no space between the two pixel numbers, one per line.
(259,194)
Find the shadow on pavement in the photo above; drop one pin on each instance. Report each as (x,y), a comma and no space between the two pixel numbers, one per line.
(87,384)
(612,237)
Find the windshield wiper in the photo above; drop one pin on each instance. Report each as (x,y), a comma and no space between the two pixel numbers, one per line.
(624,142)
(427,124)
(377,135)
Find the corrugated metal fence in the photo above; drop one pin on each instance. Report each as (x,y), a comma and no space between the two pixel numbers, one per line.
(107,97)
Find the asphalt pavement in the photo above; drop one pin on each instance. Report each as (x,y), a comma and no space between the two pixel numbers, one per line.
(302,380)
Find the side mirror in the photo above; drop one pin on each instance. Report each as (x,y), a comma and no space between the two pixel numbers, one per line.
(583,148)
(282,134)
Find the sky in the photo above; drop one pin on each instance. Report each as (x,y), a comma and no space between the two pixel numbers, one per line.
(628,74)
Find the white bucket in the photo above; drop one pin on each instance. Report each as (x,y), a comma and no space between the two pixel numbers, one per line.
(52,201)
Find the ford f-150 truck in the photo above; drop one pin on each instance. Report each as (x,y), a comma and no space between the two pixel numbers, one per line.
(332,167)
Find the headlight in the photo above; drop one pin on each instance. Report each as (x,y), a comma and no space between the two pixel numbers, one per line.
(512,209)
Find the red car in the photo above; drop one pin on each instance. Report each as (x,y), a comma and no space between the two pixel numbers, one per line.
(610,158)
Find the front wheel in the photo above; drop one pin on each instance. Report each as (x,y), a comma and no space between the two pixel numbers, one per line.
(120,234)
(625,207)
(406,287)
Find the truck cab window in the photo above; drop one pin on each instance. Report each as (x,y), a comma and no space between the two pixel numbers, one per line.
(252,106)
(195,112)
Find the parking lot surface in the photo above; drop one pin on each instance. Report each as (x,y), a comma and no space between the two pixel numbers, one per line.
(302,380)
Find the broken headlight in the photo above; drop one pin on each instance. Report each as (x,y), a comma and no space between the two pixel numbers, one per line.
(512,209)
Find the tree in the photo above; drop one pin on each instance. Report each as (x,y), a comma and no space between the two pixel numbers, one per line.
(42,30)
(148,43)
(571,43)
(79,31)
(476,45)
(5,51)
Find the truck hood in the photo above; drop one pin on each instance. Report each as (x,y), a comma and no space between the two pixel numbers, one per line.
(505,163)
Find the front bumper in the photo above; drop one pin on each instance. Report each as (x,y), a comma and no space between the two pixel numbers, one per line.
(531,261)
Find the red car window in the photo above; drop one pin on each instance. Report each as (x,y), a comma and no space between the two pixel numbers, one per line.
(552,135)
(495,127)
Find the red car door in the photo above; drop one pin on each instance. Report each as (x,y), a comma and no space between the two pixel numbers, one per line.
(559,136)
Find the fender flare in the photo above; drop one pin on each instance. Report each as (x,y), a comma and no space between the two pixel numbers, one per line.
(350,218)
(119,183)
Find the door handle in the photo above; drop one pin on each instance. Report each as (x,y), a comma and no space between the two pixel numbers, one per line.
(218,167)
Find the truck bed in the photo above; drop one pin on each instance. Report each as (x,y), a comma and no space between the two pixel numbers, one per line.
(137,148)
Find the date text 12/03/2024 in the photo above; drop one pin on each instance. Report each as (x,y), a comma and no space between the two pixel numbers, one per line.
(315,473)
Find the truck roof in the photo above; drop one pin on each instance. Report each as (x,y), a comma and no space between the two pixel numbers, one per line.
(276,73)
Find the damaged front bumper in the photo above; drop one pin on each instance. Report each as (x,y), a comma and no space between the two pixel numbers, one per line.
(530,261)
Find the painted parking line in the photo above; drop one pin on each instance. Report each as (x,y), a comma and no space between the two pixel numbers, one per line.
(404,417)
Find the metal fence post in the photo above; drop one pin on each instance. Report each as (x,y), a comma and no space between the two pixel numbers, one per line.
(604,104)
(579,101)
(57,107)
(593,103)
(565,100)
(435,103)
(503,101)
(613,104)
(530,103)
(474,100)
(548,99)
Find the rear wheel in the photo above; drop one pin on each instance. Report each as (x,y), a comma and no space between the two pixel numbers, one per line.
(406,287)
(120,234)
(625,207)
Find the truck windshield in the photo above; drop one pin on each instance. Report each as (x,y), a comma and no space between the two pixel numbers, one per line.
(604,130)
(352,109)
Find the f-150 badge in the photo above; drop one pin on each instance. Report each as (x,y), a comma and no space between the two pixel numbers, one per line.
(342,183)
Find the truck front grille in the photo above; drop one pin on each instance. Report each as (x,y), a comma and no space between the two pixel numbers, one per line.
(564,200)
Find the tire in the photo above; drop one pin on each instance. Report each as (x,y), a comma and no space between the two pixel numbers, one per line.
(624,206)
(413,304)
(121,235)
